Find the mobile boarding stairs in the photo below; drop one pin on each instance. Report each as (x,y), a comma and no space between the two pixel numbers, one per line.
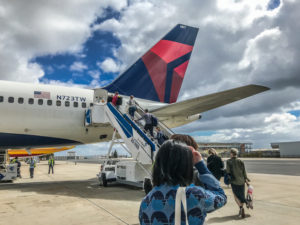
(140,145)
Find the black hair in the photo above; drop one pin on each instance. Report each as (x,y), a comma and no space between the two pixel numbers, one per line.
(173,164)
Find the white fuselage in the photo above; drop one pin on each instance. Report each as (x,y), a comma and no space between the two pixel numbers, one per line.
(45,122)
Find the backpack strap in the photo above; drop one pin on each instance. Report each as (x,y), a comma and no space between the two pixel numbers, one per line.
(180,198)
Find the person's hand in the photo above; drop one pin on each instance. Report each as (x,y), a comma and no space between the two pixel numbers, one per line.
(197,157)
(247,182)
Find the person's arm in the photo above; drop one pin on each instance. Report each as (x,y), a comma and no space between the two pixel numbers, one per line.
(245,174)
(205,176)
(213,193)
(142,117)
(214,200)
(227,166)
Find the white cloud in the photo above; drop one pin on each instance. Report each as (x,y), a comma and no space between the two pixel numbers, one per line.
(280,118)
(69,83)
(34,28)
(109,65)
(78,66)
(95,83)
(95,74)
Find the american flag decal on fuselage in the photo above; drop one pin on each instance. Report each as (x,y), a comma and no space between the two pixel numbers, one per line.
(41,94)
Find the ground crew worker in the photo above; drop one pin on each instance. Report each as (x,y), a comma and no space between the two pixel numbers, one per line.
(51,164)
(19,167)
(15,160)
(32,165)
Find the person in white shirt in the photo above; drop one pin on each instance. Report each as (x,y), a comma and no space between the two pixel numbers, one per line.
(132,106)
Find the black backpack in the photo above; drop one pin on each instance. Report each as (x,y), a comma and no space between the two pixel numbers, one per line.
(154,121)
(165,137)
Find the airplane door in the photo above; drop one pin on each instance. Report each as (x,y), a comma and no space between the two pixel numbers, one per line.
(100,95)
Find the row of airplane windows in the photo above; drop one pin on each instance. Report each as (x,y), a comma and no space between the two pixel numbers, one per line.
(41,102)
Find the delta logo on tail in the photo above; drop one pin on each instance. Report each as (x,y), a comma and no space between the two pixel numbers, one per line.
(159,73)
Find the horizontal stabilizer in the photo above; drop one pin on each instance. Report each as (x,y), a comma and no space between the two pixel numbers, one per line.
(208,102)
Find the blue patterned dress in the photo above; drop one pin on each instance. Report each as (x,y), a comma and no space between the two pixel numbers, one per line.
(158,207)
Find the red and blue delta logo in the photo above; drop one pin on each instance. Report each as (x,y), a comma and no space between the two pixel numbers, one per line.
(166,63)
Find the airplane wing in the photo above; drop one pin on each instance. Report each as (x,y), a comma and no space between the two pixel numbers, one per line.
(197,105)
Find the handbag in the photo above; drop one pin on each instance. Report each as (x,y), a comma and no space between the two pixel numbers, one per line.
(180,198)
(227,178)
(249,198)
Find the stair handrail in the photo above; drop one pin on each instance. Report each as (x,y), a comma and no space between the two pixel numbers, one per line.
(150,156)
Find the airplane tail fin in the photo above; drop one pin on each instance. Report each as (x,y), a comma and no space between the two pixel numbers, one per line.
(159,73)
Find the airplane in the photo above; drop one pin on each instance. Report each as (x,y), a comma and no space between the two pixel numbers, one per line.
(37,115)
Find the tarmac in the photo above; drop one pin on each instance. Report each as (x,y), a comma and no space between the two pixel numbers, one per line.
(72,196)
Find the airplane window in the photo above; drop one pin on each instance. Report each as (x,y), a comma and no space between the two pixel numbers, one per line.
(11,99)
(20,100)
(58,103)
(67,103)
(40,101)
(30,101)
(83,104)
(49,102)
(1,98)
(75,104)
(91,104)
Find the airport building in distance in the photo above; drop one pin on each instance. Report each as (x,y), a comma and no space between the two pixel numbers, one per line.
(288,149)
(223,147)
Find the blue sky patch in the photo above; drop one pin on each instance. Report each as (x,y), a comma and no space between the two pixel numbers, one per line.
(295,112)
(96,49)
(203,133)
(273,4)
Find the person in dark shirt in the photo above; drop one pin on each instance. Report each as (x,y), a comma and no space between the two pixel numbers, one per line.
(160,136)
(215,163)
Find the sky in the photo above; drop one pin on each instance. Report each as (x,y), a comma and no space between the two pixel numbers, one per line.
(89,43)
